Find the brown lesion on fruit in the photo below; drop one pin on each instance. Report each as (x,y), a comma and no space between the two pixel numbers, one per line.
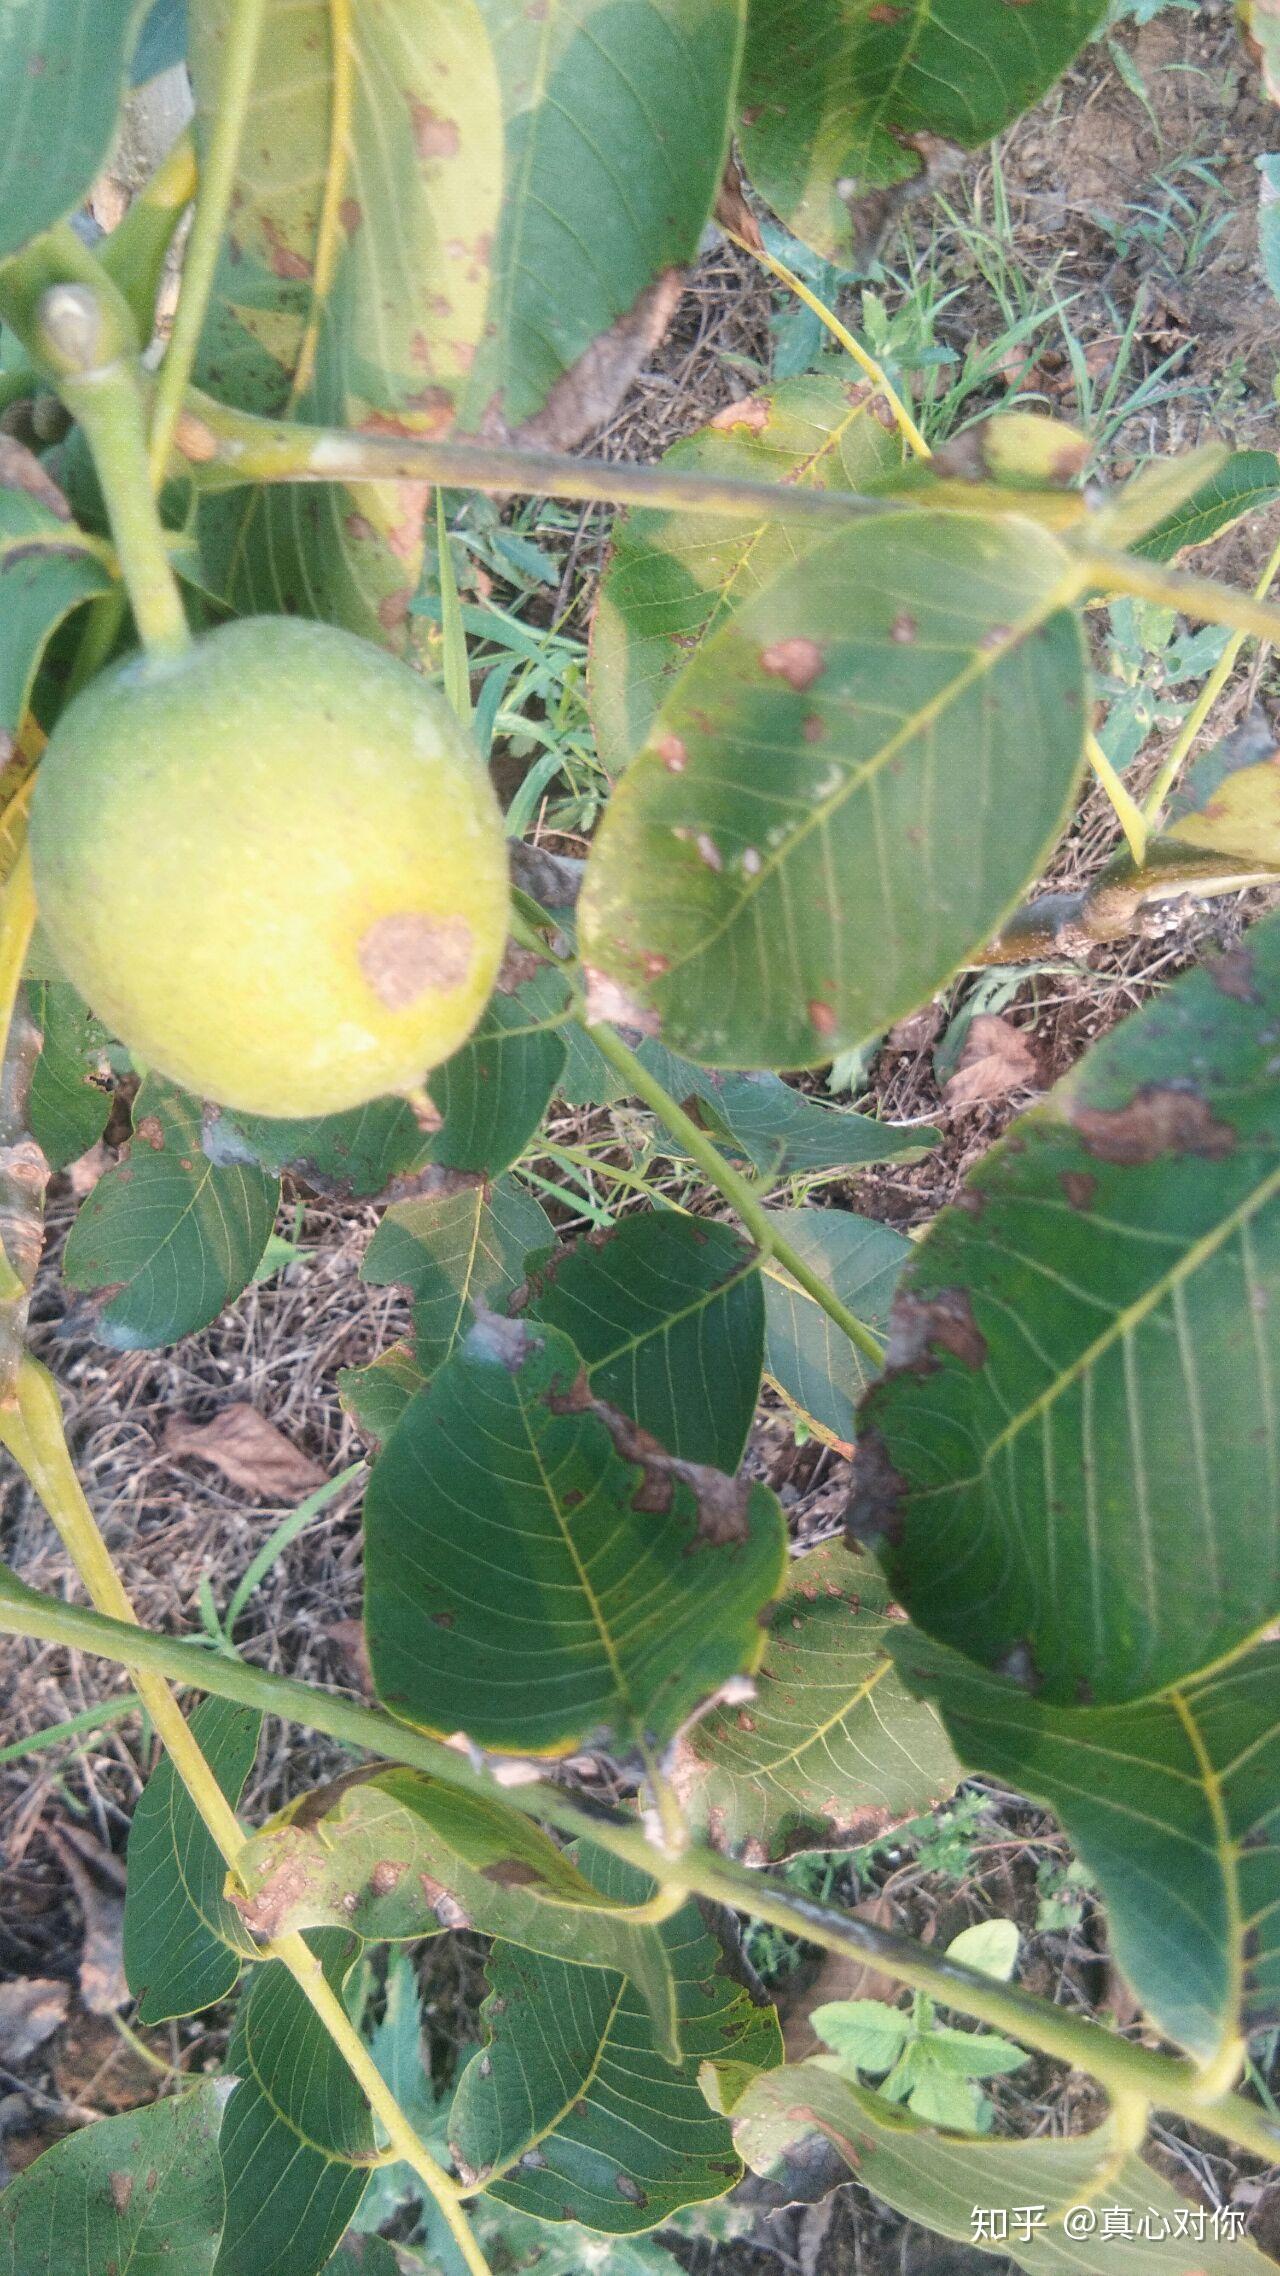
(1158,1120)
(403,955)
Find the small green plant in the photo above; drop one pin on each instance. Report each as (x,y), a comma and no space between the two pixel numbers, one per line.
(920,2062)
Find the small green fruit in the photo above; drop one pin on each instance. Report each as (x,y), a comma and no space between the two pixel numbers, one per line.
(274,866)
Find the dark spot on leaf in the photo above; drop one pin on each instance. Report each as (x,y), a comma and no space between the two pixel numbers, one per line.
(511,1873)
(904,629)
(672,753)
(821,1017)
(433,136)
(1232,975)
(879,1491)
(1158,1121)
(921,1326)
(797,661)
(151,1131)
(121,2187)
(386,1876)
(1079,1187)
(629,2189)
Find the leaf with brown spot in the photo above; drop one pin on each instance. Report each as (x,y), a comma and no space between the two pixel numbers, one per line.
(673,578)
(1076,1458)
(571,2070)
(832,1751)
(396,1855)
(139,2193)
(250,1451)
(937,2178)
(854,872)
(843,97)
(500,1489)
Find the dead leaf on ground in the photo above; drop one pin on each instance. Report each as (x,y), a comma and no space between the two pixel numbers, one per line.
(841,1976)
(30,2011)
(249,1451)
(98,1882)
(996,1059)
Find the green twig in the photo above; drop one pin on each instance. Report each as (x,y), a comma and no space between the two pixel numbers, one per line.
(81,336)
(213,203)
(1154,803)
(741,1197)
(1168,2082)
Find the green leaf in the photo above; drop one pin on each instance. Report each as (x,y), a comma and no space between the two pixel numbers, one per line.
(875,755)
(1248,482)
(863,2032)
(938,2096)
(454,1251)
(1172,1805)
(184,1942)
(782,1132)
(494,1092)
(365,2256)
(572,2113)
(166,1237)
(46,566)
(141,2193)
(814,1366)
(1072,1462)
(297,2136)
(528,1584)
(357,1153)
(675,577)
(974,2054)
(838,95)
(70,1099)
(399,1855)
(162,42)
(354,281)
(617,127)
(668,1314)
(940,2179)
(990,1946)
(515,2242)
(833,1751)
(1229,801)
(64,64)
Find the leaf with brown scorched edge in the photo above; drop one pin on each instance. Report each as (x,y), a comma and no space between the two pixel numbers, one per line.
(832,1752)
(141,2193)
(455,1251)
(617,126)
(297,2136)
(875,755)
(46,570)
(354,280)
(538,1569)
(166,1239)
(571,2113)
(184,1943)
(1174,1806)
(71,1080)
(844,96)
(1229,801)
(668,1314)
(64,64)
(674,577)
(359,1152)
(806,1357)
(395,1855)
(938,2179)
(1249,481)
(1072,1462)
